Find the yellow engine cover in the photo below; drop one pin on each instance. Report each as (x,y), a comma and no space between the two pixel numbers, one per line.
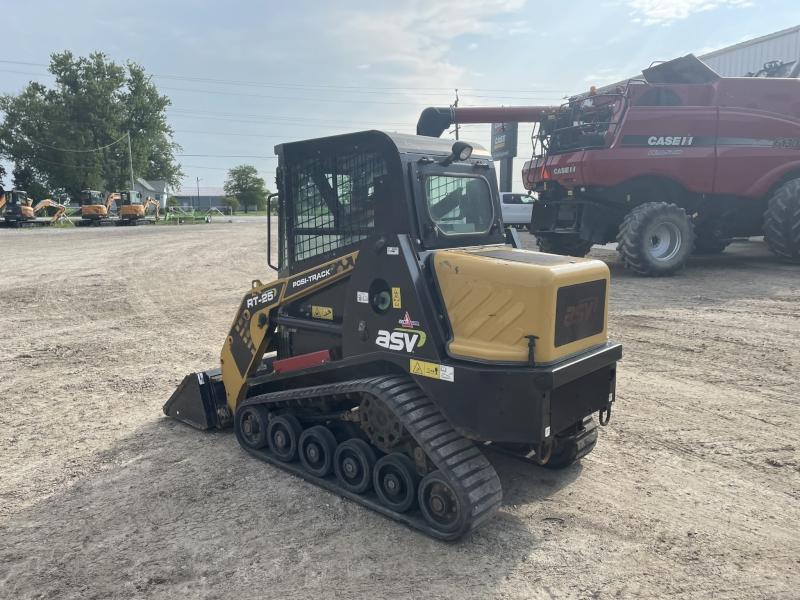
(496,296)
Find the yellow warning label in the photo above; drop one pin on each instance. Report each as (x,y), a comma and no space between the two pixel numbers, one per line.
(426,369)
(322,312)
(396,301)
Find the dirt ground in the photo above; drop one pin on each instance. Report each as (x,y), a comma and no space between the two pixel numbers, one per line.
(693,490)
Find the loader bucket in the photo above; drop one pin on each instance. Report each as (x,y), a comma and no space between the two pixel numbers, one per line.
(195,401)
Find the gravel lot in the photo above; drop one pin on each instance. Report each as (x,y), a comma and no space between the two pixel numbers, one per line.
(692,492)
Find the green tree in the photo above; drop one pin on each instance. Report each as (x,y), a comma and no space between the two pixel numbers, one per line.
(231,202)
(74,135)
(172,201)
(22,177)
(2,174)
(244,183)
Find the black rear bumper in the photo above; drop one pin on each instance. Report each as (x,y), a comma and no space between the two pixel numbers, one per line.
(526,405)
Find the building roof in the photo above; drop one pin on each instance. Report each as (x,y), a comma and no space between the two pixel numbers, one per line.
(145,184)
(204,191)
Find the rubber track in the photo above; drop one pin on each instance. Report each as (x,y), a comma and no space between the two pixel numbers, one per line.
(629,240)
(782,222)
(472,476)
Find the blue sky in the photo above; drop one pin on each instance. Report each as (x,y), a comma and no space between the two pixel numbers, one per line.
(309,69)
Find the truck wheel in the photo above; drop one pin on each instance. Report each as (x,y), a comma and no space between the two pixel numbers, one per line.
(556,245)
(656,239)
(782,222)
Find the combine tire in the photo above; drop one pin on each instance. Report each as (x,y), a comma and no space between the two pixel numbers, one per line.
(564,247)
(782,222)
(656,239)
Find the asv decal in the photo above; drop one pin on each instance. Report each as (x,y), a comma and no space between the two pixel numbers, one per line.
(398,340)
(654,140)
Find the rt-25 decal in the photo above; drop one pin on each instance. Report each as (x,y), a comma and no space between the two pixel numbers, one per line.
(267,297)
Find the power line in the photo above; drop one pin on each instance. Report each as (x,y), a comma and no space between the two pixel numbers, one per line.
(229,156)
(79,151)
(308,86)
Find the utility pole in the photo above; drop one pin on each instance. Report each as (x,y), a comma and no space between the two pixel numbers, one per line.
(130,158)
(456,106)
(198,193)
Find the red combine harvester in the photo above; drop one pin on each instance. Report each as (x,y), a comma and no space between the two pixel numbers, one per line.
(677,163)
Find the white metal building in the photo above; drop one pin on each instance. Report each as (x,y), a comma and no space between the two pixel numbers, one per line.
(750,56)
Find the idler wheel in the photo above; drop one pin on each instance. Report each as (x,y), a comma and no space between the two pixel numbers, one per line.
(252,423)
(440,504)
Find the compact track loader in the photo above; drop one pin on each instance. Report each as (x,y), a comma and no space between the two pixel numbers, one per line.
(403,331)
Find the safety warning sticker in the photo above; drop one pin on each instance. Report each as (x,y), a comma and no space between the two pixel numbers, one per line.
(396,299)
(432,370)
(322,312)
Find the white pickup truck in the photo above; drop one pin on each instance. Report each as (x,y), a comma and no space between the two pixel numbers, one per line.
(516,209)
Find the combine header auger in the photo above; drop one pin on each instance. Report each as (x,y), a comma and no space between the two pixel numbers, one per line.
(402,330)
(679,162)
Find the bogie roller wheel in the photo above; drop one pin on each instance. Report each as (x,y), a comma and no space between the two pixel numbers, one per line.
(563,245)
(440,503)
(252,423)
(782,222)
(395,478)
(656,239)
(354,462)
(284,437)
(317,447)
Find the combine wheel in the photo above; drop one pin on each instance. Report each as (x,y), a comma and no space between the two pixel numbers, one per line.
(396,480)
(563,246)
(440,504)
(354,462)
(782,222)
(317,447)
(656,239)
(283,434)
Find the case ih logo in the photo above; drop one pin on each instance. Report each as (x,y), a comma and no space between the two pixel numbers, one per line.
(564,170)
(655,140)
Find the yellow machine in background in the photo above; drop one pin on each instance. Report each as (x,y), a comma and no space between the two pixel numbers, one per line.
(59,214)
(95,207)
(133,208)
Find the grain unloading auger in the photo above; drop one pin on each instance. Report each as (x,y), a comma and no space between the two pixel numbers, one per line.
(402,330)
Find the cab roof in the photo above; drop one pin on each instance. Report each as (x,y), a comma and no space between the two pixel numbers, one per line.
(403,142)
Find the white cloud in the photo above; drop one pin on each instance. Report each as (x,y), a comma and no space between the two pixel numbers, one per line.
(472,46)
(362,67)
(414,52)
(665,11)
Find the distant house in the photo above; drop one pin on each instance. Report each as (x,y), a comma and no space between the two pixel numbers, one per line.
(157,190)
(208,197)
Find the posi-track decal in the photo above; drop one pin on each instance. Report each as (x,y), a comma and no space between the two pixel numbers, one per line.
(303,281)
